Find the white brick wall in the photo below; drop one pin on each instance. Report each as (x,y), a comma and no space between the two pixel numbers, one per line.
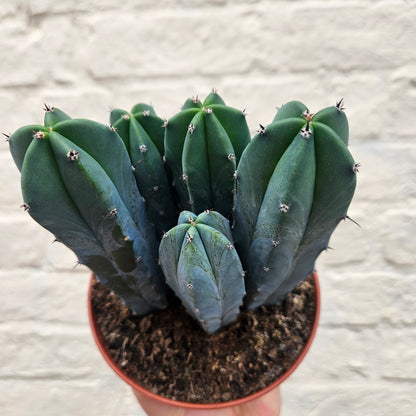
(83,56)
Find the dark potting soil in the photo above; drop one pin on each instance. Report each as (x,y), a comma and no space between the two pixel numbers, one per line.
(167,353)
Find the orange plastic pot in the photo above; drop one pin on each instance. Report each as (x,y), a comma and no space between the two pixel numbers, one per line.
(137,389)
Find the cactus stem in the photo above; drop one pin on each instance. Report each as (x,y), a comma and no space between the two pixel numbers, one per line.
(284,208)
(48,108)
(340,105)
(143,148)
(356,167)
(72,155)
(38,134)
(349,218)
(191,128)
(261,129)
(7,136)
(25,207)
(146,113)
(112,128)
(165,122)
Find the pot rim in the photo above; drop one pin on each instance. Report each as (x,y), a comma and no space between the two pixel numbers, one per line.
(203,406)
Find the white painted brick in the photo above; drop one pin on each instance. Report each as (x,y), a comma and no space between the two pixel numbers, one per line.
(84,56)
(348,399)
(55,297)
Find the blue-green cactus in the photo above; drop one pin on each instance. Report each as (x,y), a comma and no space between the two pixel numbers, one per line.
(296,180)
(285,191)
(203,144)
(77,182)
(142,133)
(203,268)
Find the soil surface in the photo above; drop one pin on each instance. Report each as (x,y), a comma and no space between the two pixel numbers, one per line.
(167,353)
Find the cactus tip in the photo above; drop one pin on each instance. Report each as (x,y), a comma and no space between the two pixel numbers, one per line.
(25,207)
(48,108)
(112,128)
(165,122)
(146,113)
(143,148)
(261,129)
(356,167)
(340,105)
(38,134)
(6,136)
(307,115)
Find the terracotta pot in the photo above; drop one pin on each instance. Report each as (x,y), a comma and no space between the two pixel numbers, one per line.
(140,390)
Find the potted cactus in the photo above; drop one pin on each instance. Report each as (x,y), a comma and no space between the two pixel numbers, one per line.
(190,215)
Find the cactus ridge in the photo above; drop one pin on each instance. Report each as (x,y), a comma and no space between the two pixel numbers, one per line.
(203,269)
(203,144)
(74,188)
(278,233)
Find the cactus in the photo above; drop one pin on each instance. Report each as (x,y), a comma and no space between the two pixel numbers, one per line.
(296,180)
(285,192)
(203,144)
(85,194)
(142,133)
(202,267)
